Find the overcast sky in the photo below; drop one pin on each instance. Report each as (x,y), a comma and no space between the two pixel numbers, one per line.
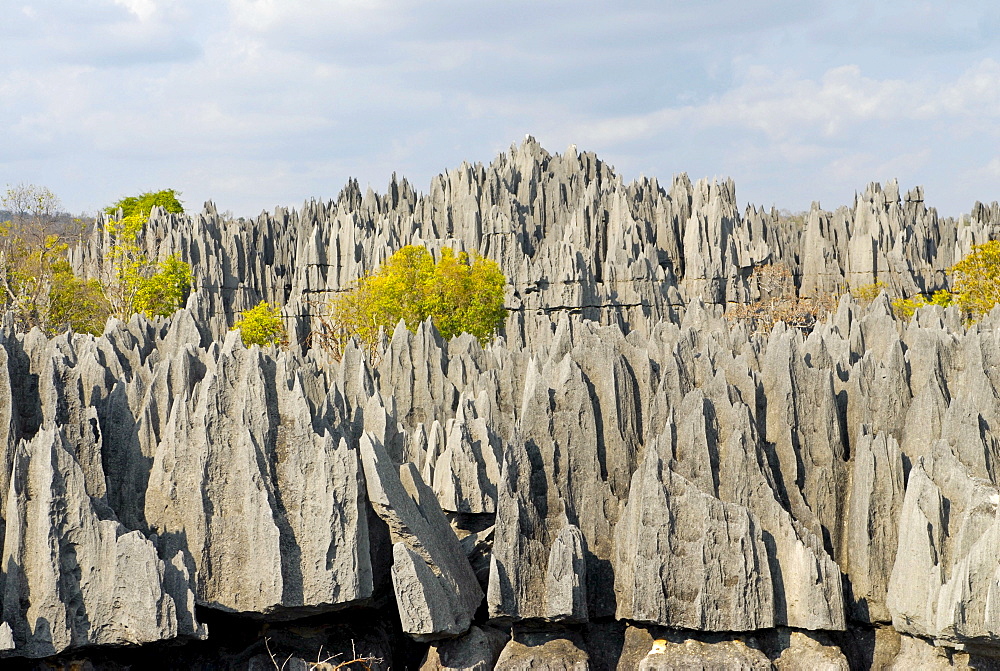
(258,103)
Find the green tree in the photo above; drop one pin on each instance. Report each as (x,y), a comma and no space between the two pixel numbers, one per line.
(27,250)
(30,205)
(460,294)
(466,296)
(144,203)
(76,303)
(165,290)
(134,282)
(261,325)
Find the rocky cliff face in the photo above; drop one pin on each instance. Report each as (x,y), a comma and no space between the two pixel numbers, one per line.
(625,465)
(570,236)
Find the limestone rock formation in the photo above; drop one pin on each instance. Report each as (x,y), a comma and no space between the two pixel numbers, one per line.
(436,590)
(626,457)
(667,656)
(569,234)
(688,560)
(72,574)
(270,511)
(544,651)
(805,652)
(477,650)
(872,533)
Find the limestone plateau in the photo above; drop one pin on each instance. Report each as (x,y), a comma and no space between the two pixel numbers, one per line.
(624,464)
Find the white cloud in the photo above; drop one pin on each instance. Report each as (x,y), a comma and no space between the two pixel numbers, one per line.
(785,107)
(257,102)
(143,9)
(294,19)
(975,94)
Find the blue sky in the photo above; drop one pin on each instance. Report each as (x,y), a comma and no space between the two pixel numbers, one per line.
(258,103)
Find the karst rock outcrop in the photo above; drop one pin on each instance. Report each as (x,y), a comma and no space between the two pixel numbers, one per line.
(626,463)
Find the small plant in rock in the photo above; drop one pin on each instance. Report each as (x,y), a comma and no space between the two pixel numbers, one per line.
(904,308)
(866,293)
(261,325)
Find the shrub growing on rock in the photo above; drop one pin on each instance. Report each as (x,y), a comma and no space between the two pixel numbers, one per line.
(778,301)
(905,307)
(460,294)
(75,302)
(975,285)
(866,293)
(261,325)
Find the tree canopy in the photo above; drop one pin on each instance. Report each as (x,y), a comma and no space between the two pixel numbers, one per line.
(144,203)
(460,294)
(36,281)
(134,282)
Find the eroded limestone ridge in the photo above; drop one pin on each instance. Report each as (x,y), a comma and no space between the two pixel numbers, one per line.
(598,478)
(697,478)
(569,234)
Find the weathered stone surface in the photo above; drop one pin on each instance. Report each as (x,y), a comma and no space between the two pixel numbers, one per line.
(802,424)
(688,560)
(544,651)
(535,542)
(945,577)
(322,514)
(692,654)
(467,470)
(872,533)
(436,590)
(6,637)
(207,493)
(72,575)
(805,652)
(270,511)
(917,653)
(478,650)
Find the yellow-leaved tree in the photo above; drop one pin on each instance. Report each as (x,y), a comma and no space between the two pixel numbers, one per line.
(975,285)
(261,325)
(460,294)
(37,283)
(134,282)
(976,279)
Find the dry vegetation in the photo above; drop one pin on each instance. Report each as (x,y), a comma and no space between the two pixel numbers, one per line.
(779,302)
(330,663)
